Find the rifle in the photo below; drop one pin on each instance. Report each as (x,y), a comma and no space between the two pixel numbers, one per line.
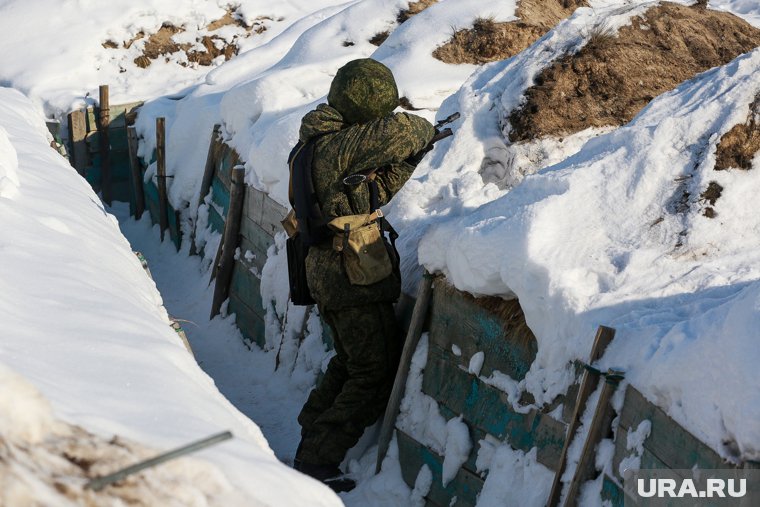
(360,177)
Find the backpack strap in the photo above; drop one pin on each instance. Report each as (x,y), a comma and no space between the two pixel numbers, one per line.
(312,226)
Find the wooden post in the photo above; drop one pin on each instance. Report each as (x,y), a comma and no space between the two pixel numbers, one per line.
(590,382)
(229,240)
(104,120)
(208,176)
(77,140)
(419,314)
(136,171)
(163,201)
(600,425)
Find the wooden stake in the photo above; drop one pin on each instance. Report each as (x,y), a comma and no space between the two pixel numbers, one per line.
(136,171)
(230,240)
(208,176)
(600,425)
(419,314)
(589,383)
(77,140)
(163,201)
(104,121)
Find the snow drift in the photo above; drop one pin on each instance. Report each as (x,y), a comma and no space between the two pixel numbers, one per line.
(86,327)
(617,235)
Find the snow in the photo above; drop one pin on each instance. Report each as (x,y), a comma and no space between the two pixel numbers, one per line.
(567,226)
(635,442)
(476,363)
(84,325)
(515,478)
(457,448)
(422,485)
(595,239)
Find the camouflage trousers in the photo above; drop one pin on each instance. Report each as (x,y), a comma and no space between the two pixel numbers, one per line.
(358,382)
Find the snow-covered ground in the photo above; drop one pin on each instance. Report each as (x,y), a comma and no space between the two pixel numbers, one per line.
(596,238)
(85,325)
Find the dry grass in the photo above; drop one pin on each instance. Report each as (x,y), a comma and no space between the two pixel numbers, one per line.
(488,41)
(414,9)
(609,81)
(161,43)
(710,196)
(738,147)
(403,15)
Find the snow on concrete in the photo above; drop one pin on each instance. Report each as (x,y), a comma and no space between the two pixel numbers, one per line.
(86,327)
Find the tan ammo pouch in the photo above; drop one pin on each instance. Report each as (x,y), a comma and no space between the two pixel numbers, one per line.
(359,240)
(290,224)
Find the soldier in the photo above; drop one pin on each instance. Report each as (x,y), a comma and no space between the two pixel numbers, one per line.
(355,133)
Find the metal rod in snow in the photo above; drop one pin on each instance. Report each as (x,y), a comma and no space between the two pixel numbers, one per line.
(99,483)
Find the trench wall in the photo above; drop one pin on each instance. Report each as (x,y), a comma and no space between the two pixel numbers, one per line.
(459,327)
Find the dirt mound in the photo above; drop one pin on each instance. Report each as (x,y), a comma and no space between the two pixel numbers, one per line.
(403,15)
(613,77)
(488,41)
(738,147)
(57,469)
(162,43)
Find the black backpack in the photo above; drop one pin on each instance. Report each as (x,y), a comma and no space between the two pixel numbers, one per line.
(312,228)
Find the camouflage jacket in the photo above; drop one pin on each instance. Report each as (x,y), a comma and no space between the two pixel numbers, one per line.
(342,150)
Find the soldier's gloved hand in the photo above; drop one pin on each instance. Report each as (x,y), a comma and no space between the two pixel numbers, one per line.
(415,159)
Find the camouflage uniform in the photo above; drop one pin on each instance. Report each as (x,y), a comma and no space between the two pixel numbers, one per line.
(358,133)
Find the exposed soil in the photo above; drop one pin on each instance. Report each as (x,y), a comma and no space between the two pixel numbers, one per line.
(711,195)
(488,41)
(612,78)
(414,9)
(738,147)
(161,43)
(403,15)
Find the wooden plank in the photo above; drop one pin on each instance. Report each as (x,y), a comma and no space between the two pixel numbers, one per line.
(163,200)
(215,220)
(598,429)
(208,175)
(458,319)
(120,112)
(412,455)
(118,140)
(229,242)
(260,240)
(487,409)
(77,142)
(251,326)
(259,259)
(254,204)
(151,200)
(612,493)
(248,289)
(220,195)
(136,173)
(272,214)
(476,435)
(227,161)
(589,383)
(105,161)
(175,231)
(668,441)
(419,316)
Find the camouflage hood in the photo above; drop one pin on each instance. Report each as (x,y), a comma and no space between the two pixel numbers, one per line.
(363,90)
(323,120)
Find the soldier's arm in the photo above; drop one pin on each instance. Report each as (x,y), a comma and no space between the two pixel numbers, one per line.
(391,179)
(389,141)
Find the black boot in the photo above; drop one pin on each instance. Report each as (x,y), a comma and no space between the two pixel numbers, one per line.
(330,475)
